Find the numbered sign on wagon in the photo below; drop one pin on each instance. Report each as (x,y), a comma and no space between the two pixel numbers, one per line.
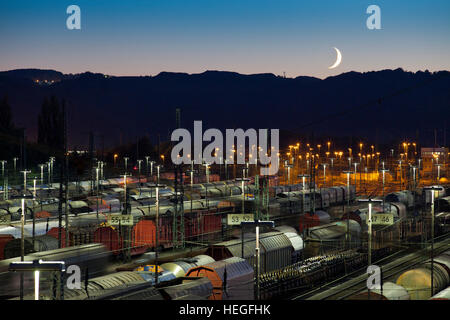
(120,219)
(236,219)
(386,219)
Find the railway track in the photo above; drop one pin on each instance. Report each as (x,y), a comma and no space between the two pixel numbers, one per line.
(342,290)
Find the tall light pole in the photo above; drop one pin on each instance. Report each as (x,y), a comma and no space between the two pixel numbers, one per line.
(151,168)
(246,169)
(25,181)
(370,202)
(383,171)
(36,266)
(15,164)
(414,168)
(126,163)
(432,189)
(147,158)
(5,186)
(356,164)
(125,190)
(243,180)
(331,169)
(102,176)
(52,159)
(348,173)
(3,167)
(49,171)
(157,173)
(191,173)
(157,232)
(22,241)
(438,165)
(97,170)
(324,174)
(257,224)
(303,176)
(42,173)
(139,170)
(288,167)
(34,188)
(418,168)
(226,169)
(206,165)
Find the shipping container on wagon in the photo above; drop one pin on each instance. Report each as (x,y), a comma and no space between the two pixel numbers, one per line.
(232,278)
(331,237)
(147,293)
(275,250)
(406,197)
(13,248)
(331,195)
(340,194)
(77,207)
(295,239)
(44,243)
(442,204)
(278,251)
(190,286)
(101,286)
(110,238)
(142,238)
(4,239)
(309,220)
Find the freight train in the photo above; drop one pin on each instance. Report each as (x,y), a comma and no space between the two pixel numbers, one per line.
(205,211)
(415,284)
(204,217)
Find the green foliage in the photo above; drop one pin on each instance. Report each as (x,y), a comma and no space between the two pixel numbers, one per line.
(6,124)
(51,124)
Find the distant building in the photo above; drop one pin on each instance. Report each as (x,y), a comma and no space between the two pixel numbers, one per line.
(428,154)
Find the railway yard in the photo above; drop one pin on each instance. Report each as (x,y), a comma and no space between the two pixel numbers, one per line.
(154,237)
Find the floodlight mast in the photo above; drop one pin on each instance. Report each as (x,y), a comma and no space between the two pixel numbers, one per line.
(37,266)
(432,189)
(257,224)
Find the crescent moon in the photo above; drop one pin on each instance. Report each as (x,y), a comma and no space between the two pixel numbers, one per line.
(338,59)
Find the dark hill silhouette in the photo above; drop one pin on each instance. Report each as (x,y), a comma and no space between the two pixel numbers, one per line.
(386,105)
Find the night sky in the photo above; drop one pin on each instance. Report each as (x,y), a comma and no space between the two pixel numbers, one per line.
(297,37)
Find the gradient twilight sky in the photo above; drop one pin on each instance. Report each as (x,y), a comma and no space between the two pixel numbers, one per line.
(145,37)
